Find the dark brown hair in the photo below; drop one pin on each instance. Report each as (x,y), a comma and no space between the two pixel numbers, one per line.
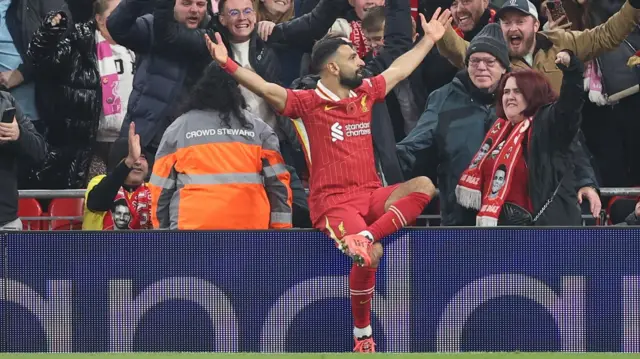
(535,88)
(100,6)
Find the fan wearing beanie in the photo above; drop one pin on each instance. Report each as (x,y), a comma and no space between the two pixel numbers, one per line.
(462,110)
(120,200)
(491,41)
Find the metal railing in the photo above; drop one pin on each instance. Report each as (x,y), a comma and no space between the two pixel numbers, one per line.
(79,193)
(427,220)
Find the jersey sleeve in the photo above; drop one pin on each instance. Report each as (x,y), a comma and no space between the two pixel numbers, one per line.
(377,87)
(298,102)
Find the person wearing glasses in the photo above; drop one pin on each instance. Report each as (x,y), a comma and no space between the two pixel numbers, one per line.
(457,119)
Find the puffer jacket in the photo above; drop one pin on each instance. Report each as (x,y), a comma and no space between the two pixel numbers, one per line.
(452,129)
(66,64)
(587,44)
(163,74)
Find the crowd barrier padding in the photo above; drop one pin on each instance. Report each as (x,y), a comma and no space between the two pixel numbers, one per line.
(437,290)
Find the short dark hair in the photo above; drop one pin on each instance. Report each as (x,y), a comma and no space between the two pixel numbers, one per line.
(100,6)
(374,19)
(502,168)
(535,88)
(221,5)
(324,49)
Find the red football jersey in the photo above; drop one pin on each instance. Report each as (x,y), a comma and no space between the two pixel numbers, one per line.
(336,137)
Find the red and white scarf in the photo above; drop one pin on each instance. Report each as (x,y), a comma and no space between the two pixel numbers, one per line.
(138,211)
(358,40)
(469,189)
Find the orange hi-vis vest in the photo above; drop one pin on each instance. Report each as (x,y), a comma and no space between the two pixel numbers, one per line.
(208,175)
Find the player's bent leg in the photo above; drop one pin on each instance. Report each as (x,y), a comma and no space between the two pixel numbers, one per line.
(420,184)
(401,207)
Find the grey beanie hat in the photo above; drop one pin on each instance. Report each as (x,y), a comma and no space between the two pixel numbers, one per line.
(490,40)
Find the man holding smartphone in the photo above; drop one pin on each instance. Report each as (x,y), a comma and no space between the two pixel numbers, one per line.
(19,141)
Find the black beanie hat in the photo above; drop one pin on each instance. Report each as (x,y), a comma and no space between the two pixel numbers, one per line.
(490,40)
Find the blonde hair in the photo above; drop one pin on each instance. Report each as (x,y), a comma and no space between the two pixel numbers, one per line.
(263,15)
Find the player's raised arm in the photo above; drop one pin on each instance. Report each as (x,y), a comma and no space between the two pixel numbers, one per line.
(274,94)
(404,65)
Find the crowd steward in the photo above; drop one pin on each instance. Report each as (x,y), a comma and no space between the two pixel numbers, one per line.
(191,188)
(83,72)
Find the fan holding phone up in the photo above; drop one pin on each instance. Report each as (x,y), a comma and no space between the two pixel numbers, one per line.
(20,144)
(9,129)
(556,15)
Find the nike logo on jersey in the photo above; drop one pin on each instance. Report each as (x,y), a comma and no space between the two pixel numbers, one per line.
(329,107)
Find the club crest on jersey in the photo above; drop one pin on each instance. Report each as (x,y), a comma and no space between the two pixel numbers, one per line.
(363,104)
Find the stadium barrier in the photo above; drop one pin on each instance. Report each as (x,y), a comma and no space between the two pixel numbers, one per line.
(439,289)
(47,219)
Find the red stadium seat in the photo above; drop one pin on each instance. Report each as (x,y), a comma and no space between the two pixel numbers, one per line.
(30,207)
(66,207)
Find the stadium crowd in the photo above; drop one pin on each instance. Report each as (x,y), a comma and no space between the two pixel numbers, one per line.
(340,115)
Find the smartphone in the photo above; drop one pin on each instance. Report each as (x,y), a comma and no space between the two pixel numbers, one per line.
(557,10)
(8,115)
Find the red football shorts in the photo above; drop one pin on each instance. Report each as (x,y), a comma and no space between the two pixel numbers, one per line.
(355,214)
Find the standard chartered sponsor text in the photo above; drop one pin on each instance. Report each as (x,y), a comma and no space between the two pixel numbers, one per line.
(221,132)
(358,129)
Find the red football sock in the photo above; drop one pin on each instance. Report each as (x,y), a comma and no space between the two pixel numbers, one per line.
(362,281)
(400,214)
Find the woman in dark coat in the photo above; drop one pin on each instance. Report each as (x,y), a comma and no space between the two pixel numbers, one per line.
(87,79)
(527,178)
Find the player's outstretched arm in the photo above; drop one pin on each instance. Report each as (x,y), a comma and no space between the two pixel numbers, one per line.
(404,65)
(274,94)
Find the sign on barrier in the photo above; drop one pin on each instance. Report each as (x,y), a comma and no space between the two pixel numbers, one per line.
(437,290)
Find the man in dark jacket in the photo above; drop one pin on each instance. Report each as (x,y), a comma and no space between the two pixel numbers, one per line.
(163,76)
(19,141)
(23,18)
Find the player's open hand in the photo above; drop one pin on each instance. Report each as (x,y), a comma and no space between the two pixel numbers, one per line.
(438,24)
(217,49)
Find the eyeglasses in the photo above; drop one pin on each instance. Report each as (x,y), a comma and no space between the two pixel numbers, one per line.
(475,62)
(235,12)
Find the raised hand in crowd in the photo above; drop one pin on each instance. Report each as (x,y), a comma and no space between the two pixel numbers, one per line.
(265,28)
(135,150)
(58,19)
(436,27)
(9,132)
(557,23)
(563,58)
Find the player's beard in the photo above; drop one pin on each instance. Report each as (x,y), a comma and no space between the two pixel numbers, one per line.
(351,82)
